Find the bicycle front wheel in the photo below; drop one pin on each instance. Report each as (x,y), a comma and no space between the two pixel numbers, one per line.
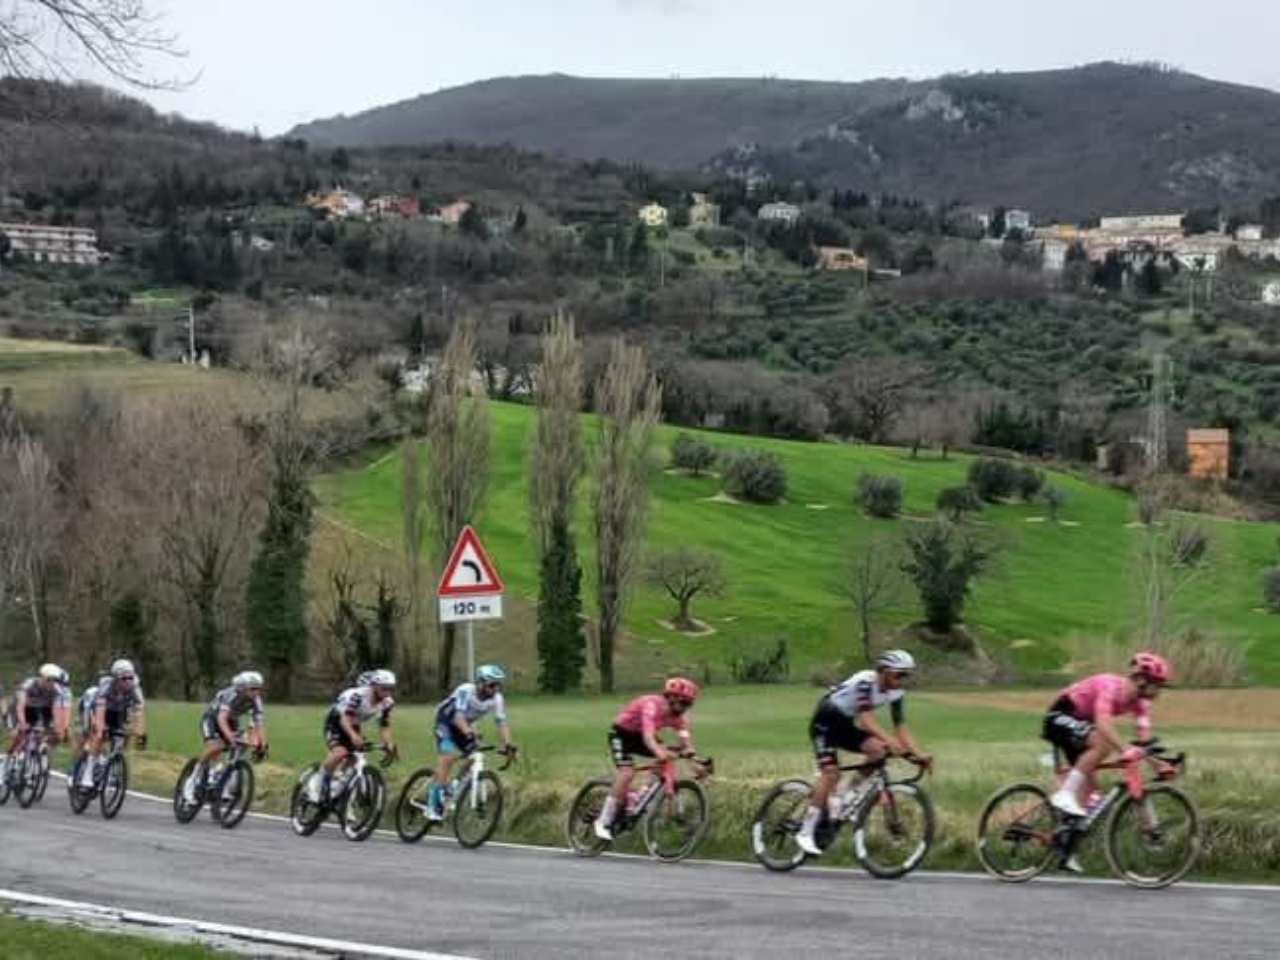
(412,822)
(362,806)
(586,808)
(895,831)
(26,780)
(773,833)
(77,795)
(185,811)
(476,811)
(5,789)
(44,775)
(115,783)
(305,816)
(675,824)
(1153,841)
(233,794)
(1016,833)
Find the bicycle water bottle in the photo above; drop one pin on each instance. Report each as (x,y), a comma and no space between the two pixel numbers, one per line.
(633,801)
(1093,803)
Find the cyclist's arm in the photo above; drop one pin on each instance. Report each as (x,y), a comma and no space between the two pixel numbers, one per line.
(347,721)
(61,720)
(1104,722)
(384,729)
(649,733)
(465,728)
(500,718)
(224,724)
(258,735)
(21,709)
(99,718)
(140,719)
(868,723)
(504,731)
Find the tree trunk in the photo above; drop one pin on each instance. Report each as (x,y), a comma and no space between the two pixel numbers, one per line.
(36,601)
(444,681)
(866,636)
(606,657)
(685,622)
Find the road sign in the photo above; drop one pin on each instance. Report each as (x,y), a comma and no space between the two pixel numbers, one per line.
(470,588)
(460,609)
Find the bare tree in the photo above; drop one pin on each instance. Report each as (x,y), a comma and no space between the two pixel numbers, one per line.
(457,428)
(31,524)
(685,573)
(414,532)
(628,400)
(875,584)
(872,392)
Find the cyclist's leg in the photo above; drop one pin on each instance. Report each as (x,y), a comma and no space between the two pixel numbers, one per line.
(1083,747)
(450,745)
(830,731)
(340,747)
(624,747)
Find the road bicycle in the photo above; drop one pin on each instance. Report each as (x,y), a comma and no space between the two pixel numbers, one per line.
(110,779)
(27,771)
(891,820)
(473,800)
(357,796)
(672,813)
(1152,832)
(227,787)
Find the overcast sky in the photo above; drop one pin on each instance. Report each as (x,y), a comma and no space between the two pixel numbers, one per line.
(275,63)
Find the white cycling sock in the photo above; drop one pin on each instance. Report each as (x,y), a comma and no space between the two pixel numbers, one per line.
(811,818)
(1073,782)
(608,811)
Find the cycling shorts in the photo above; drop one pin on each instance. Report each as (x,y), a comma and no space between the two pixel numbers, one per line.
(626,745)
(335,735)
(449,739)
(38,716)
(832,730)
(1066,730)
(209,729)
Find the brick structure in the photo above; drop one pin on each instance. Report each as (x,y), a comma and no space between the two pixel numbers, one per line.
(1209,453)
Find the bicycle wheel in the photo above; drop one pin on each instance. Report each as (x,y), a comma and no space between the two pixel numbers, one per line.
(304,815)
(185,811)
(1154,841)
(233,794)
(26,780)
(362,806)
(675,825)
(776,824)
(4,781)
(44,774)
(476,813)
(77,795)
(582,818)
(1016,833)
(894,832)
(115,782)
(412,823)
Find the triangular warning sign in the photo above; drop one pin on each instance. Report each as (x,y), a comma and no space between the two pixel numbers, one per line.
(469,570)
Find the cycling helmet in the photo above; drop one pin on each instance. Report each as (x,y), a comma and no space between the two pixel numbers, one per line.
(64,678)
(1152,666)
(899,661)
(381,678)
(247,678)
(490,673)
(681,687)
(51,671)
(123,668)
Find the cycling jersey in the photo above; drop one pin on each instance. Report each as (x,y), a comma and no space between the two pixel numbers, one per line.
(466,701)
(237,703)
(358,702)
(649,714)
(116,697)
(862,692)
(1105,695)
(37,696)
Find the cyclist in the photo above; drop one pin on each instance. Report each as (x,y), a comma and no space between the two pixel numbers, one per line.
(114,704)
(456,719)
(40,701)
(84,711)
(635,733)
(372,698)
(845,719)
(219,724)
(1080,722)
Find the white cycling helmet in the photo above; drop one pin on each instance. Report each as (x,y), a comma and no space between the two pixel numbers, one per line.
(123,668)
(51,671)
(490,673)
(247,678)
(899,661)
(381,678)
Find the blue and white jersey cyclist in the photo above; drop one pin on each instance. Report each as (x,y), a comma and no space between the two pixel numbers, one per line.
(456,720)
(220,724)
(371,699)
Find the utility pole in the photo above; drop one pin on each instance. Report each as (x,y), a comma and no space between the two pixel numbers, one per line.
(1157,413)
(191,332)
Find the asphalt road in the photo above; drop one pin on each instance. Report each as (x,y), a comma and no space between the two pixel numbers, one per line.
(503,902)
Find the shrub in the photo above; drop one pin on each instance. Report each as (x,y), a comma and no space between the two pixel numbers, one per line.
(690,453)
(1271,588)
(1188,544)
(755,476)
(992,479)
(1203,660)
(879,496)
(941,564)
(1030,482)
(770,667)
(955,502)
(1054,500)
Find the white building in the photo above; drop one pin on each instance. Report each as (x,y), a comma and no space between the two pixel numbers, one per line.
(1017,220)
(653,215)
(1143,223)
(1271,293)
(780,211)
(44,244)
(1249,231)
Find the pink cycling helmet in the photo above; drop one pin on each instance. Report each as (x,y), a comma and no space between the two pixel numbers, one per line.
(1152,666)
(680,687)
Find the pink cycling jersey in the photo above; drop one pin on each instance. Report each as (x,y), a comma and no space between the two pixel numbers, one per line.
(649,714)
(1108,695)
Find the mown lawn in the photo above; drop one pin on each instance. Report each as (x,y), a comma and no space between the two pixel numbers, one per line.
(33,940)
(1057,589)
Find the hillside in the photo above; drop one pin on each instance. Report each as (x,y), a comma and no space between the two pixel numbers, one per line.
(1061,591)
(1073,143)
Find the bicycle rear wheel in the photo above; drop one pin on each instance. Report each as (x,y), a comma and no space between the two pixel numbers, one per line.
(1016,833)
(5,789)
(674,825)
(412,822)
(362,806)
(26,780)
(233,794)
(44,774)
(476,812)
(77,795)
(777,822)
(895,831)
(185,811)
(1152,842)
(304,815)
(115,783)
(582,818)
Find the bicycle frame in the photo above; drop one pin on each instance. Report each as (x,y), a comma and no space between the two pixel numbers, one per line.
(662,779)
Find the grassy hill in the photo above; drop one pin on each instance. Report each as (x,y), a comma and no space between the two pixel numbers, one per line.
(1064,142)
(1061,590)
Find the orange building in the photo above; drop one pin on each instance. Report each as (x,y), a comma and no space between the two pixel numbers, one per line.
(1209,453)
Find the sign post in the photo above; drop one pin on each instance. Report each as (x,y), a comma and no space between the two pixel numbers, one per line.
(470,589)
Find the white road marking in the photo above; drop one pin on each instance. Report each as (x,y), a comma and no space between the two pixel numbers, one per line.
(344,948)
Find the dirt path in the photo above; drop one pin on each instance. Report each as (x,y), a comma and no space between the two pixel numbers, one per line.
(1252,709)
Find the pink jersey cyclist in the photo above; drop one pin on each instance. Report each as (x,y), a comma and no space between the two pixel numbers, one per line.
(648,714)
(1106,695)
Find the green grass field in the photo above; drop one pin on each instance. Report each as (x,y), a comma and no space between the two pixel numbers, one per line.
(1059,588)
(32,940)
(759,735)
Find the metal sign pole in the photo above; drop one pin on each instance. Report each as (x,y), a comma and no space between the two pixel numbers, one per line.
(471,650)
